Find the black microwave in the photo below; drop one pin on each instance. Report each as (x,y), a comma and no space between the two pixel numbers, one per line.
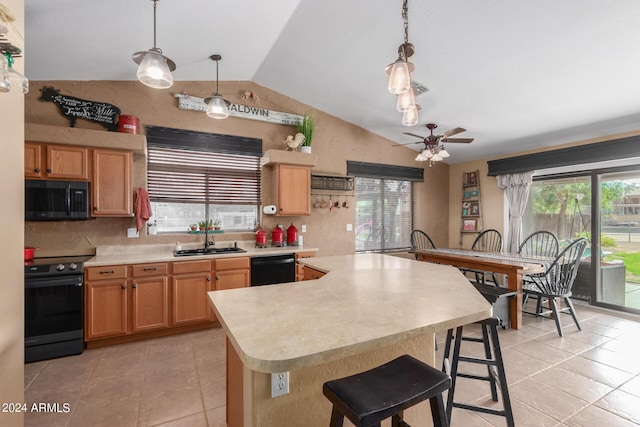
(56,200)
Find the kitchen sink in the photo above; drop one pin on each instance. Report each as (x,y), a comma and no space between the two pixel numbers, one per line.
(208,251)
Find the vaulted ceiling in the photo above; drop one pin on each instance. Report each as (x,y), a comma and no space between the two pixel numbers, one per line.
(517,75)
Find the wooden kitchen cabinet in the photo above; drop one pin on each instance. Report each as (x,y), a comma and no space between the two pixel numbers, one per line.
(231,273)
(106,302)
(299,267)
(149,297)
(111,191)
(312,273)
(189,286)
(294,190)
(50,161)
(122,300)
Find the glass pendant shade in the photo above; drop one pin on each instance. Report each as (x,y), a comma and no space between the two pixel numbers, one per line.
(443,153)
(406,100)
(436,157)
(410,116)
(400,77)
(154,71)
(217,107)
(5,85)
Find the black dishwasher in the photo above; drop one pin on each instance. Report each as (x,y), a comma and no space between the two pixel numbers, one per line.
(271,269)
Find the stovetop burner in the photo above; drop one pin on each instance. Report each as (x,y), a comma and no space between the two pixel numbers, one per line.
(55,266)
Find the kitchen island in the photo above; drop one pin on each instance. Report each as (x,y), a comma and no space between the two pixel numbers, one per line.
(367,310)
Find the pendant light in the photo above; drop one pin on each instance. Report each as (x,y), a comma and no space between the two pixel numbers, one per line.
(400,71)
(155,68)
(410,116)
(406,100)
(217,106)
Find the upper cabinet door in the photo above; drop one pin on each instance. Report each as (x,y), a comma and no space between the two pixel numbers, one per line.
(111,186)
(33,160)
(65,162)
(56,161)
(294,190)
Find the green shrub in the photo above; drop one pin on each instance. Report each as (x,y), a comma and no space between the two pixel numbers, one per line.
(605,241)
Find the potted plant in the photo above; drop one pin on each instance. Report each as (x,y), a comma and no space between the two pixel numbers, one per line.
(193,227)
(216,224)
(202,225)
(306,127)
(210,225)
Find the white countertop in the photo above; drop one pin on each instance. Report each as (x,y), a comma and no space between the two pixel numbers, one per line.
(364,302)
(136,254)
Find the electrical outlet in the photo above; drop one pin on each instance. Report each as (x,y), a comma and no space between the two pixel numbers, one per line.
(349,227)
(303,228)
(132,232)
(279,384)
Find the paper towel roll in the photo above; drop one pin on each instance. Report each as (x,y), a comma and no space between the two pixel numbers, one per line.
(269,210)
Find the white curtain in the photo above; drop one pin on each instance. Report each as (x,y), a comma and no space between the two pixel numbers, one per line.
(516,187)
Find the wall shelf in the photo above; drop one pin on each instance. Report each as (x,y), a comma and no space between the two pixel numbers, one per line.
(332,182)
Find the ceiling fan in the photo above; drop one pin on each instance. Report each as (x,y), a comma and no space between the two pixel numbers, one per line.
(433,149)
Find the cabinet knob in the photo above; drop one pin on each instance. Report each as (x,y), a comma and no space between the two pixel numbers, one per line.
(208,279)
(217,277)
(124,286)
(135,285)
(37,170)
(49,170)
(95,208)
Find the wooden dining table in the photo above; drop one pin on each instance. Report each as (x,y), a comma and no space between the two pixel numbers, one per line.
(514,266)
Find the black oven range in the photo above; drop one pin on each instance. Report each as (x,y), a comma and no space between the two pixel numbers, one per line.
(54,307)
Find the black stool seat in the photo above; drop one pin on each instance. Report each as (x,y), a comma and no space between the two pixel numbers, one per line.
(369,397)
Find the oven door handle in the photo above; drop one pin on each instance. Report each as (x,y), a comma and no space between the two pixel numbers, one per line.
(67,200)
(43,282)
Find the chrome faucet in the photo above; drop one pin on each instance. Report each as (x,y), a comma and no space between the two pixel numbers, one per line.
(207,243)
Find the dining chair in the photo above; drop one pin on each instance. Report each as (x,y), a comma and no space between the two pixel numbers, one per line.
(539,244)
(488,241)
(421,240)
(556,282)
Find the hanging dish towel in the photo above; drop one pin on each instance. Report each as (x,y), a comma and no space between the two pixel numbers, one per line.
(143,208)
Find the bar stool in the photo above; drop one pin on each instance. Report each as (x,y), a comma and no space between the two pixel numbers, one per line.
(493,361)
(386,391)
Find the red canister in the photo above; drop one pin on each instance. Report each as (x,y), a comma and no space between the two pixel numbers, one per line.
(292,235)
(129,124)
(276,236)
(261,238)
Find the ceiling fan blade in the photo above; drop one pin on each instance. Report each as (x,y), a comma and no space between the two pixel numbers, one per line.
(408,143)
(413,134)
(451,132)
(460,140)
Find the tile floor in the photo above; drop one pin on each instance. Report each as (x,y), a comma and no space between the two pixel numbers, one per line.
(588,378)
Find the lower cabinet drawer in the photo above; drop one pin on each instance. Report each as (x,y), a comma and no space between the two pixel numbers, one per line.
(106,272)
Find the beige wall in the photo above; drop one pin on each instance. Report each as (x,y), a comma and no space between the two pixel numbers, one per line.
(335,141)
(494,212)
(11,192)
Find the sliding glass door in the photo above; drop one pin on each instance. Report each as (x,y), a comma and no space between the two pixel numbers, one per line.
(609,272)
(618,278)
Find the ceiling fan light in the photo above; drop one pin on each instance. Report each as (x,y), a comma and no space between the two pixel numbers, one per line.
(406,100)
(400,77)
(436,158)
(154,71)
(217,107)
(410,116)
(443,153)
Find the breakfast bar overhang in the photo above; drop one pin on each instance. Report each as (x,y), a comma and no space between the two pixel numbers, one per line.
(367,310)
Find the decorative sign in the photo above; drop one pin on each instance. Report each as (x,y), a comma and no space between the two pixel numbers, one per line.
(75,108)
(187,102)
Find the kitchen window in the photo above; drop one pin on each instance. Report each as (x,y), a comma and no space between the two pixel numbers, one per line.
(384,206)
(196,175)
